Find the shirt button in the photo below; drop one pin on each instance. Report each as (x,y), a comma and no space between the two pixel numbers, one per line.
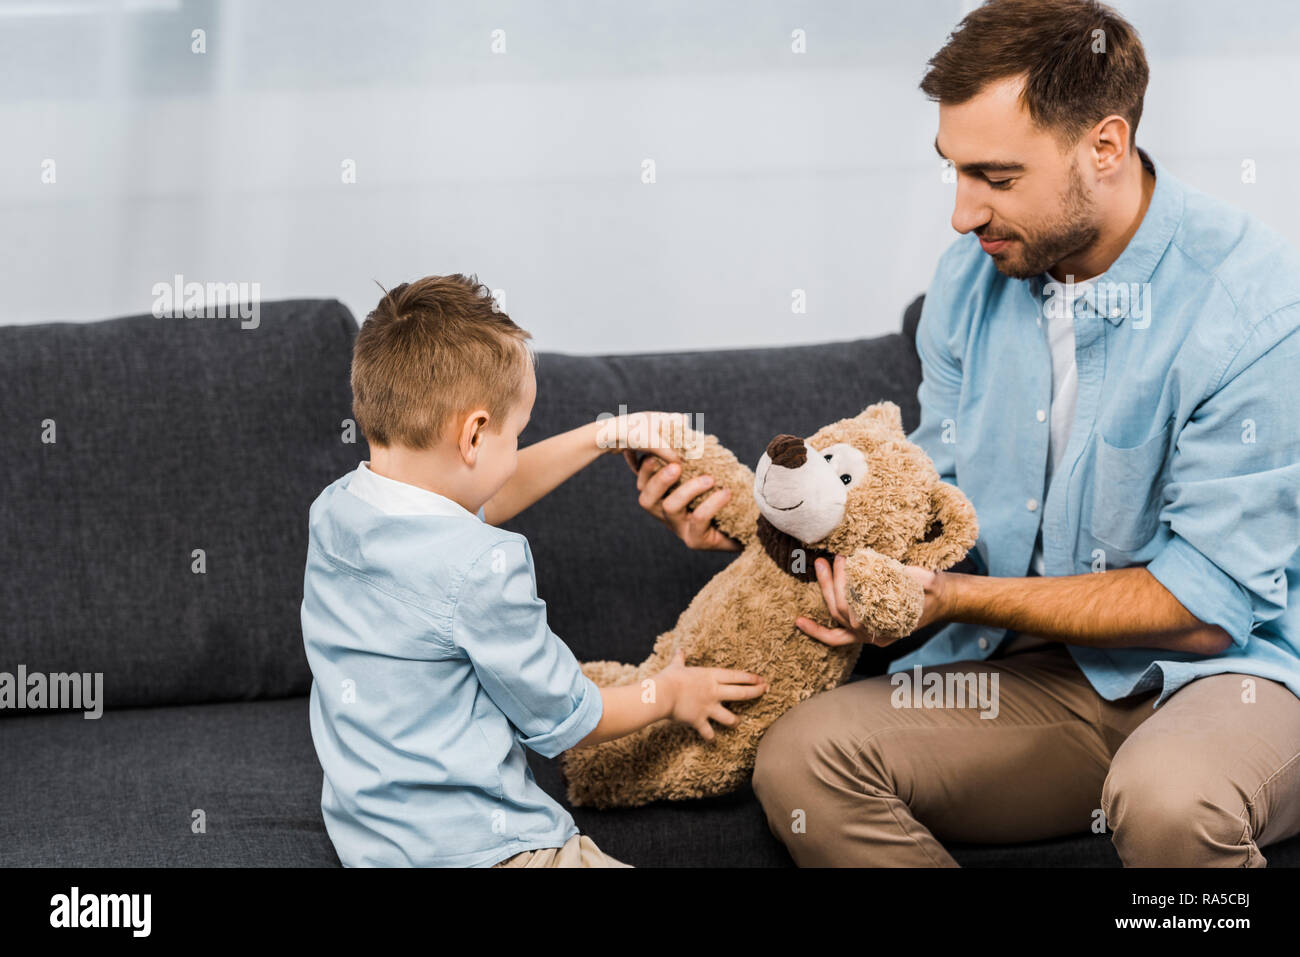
(1042,416)
(1032,505)
(984,644)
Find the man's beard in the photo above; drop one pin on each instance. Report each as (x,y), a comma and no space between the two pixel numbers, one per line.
(1075,230)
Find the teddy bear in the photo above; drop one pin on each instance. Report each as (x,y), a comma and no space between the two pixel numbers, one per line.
(856,488)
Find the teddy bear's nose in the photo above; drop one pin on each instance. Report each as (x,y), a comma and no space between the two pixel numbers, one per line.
(788,451)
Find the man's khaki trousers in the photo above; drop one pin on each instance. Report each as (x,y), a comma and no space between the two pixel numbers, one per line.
(1213,775)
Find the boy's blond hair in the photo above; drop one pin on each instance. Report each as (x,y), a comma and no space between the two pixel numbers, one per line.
(430,350)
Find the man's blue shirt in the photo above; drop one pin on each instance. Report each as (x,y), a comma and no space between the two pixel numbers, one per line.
(433,666)
(1184,454)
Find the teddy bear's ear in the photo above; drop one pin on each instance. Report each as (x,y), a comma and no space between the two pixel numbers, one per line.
(885,413)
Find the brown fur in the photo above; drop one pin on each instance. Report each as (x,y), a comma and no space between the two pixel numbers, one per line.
(744,617)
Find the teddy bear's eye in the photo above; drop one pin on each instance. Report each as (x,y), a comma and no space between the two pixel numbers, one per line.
(846,479)
(827,457)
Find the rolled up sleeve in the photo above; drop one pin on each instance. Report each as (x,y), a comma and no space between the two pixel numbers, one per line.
(527,671)
(1233,496)
(1204,589)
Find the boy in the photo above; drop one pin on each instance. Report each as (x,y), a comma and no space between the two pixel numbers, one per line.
(432,659)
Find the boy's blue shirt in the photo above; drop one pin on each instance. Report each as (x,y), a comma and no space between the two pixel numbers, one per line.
(433,666)
(1184,455)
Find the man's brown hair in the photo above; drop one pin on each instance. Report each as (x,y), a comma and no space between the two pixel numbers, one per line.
(431,349)
(1071,84)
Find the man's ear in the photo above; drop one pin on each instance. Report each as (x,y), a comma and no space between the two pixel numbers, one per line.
(472,432)
(1112,140)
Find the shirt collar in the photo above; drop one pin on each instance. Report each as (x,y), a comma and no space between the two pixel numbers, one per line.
(1137,263)
(400,498)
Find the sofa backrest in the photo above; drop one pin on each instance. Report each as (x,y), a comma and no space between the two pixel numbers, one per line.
(612,577)
(160,537)
(177,435)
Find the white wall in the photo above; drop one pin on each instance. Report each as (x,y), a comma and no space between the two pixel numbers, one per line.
(775,171)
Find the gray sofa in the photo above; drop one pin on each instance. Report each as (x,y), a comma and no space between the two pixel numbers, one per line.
(177,435)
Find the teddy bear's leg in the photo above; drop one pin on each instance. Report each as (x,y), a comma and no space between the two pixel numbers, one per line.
(610,774)
(664,762)
(618,773)
(699,768)
(882,595)
(608,674)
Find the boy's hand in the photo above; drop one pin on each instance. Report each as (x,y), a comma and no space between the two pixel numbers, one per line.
(697,693)
(637,432)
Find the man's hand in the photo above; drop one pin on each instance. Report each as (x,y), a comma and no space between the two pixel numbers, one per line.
(834,583)
(697,693)
(696,529)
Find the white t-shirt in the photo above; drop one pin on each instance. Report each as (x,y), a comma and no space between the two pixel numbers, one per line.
(1059,323)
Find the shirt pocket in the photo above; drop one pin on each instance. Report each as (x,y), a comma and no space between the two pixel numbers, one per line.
(1127,489)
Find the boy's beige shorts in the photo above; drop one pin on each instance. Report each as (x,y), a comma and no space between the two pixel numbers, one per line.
(578,851)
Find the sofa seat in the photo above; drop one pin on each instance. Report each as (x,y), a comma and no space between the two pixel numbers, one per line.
(120,791)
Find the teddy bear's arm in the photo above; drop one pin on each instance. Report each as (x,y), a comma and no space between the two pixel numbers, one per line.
(882,595)
(702,454)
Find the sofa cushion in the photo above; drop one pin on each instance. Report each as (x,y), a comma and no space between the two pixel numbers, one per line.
(612,577)
(121,791)
(170,435)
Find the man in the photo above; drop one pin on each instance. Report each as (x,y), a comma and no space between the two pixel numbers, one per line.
(1110,374)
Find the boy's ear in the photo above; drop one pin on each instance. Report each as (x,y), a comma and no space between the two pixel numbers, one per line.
(472,431)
